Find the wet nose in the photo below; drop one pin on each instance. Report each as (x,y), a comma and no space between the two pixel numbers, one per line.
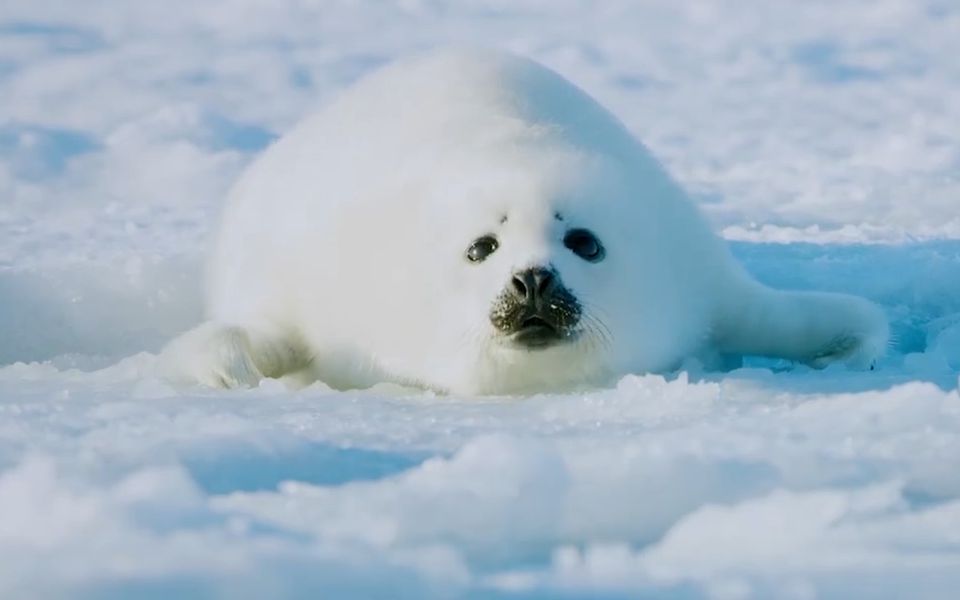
(534,284)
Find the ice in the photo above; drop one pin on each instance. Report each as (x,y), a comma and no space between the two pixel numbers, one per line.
(820,138)
(861,543)
(660,484)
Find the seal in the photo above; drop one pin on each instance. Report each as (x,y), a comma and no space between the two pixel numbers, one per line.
(471,222)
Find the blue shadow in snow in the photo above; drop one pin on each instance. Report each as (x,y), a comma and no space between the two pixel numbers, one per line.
(35,152)
(677,591)
(58,38)
(249,469)
(148,588)
(823,60)
(227,134)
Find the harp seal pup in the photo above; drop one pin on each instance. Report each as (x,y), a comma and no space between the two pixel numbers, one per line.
(471,222)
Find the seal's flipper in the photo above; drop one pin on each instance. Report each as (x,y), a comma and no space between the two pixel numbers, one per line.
(228,356)
(815,328)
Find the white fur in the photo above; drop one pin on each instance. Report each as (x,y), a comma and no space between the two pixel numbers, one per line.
(341,252)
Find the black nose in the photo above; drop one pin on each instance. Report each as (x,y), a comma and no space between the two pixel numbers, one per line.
(534,284)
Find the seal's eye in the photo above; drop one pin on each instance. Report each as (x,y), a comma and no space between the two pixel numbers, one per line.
(481,248)
(584,244)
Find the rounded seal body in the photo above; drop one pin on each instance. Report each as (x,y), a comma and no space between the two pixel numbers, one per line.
(382,239)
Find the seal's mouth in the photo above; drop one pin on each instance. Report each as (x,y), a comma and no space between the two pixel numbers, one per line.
(537,333)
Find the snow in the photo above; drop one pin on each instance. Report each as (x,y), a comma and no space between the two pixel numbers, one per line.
(820,137)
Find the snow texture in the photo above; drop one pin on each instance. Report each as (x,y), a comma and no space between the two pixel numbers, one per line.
(821,137)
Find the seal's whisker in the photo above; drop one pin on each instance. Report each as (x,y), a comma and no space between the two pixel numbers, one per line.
(596,325)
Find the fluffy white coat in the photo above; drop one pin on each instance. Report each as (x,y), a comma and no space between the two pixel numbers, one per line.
(341,254)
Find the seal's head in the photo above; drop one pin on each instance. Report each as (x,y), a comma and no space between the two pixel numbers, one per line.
(532,280)
(536,310)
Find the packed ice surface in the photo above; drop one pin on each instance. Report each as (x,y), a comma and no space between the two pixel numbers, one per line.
(832,125)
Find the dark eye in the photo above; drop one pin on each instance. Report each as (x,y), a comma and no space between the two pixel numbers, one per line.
(584,244)
(482,248)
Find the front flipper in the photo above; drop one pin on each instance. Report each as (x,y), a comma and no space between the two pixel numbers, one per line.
(228,356)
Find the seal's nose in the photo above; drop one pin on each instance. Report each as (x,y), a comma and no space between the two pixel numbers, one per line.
(534,284)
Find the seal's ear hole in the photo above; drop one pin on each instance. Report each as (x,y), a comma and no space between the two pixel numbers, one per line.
(584,244)
(481,248)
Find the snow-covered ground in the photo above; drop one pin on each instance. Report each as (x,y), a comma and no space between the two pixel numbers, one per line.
(834,125)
